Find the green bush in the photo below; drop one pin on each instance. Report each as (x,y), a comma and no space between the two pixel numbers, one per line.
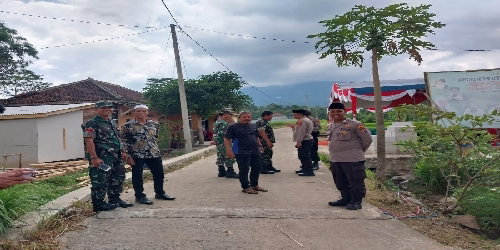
(484,203)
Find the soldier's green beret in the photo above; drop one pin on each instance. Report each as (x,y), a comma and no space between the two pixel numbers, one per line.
(103,104)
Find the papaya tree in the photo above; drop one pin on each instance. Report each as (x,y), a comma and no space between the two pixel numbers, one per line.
(389,31)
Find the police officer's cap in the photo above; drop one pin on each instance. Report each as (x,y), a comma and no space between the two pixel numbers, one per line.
(221,113)
(299,111)
(103,104)
(265,113)
(226,112)
(336,105)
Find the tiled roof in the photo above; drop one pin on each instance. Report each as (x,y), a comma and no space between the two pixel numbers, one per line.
(41,109)
(88,90)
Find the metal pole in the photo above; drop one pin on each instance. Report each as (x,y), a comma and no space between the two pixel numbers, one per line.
(307,98)
(188,145)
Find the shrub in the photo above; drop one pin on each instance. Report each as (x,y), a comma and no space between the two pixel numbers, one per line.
(11,203)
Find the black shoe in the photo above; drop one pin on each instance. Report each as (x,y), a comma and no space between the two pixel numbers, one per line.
(104,206)
(266,172)
(298,171)
(315,165)
(222,171)
(306,174)
(274,169)
(121,203)
(340,203)
(164,197)
(231,174)
(354,205)
(144,200)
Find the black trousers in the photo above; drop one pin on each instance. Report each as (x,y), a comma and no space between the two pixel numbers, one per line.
(249,163)
(305,155)
(349,178)
(156,167)
(314,148)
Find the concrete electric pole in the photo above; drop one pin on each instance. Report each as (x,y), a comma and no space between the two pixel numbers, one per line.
(188,145)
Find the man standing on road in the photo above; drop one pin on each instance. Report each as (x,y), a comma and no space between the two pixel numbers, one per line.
(349,141)
(103,146)
(140,138)
(246,149)
(267,140)
(223,161)
(302,135)
(315,135)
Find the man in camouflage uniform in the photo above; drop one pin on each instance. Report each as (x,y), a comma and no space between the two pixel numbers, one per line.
(315,135)
(103,146)
(267,140)
(223,161)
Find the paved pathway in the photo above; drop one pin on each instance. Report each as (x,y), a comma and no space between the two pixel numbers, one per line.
(212,213)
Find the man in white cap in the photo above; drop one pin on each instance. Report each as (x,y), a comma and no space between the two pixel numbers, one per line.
(140,137)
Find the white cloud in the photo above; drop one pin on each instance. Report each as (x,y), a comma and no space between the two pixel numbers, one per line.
(129,61)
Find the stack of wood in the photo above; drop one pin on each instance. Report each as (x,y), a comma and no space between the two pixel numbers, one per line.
(53,169)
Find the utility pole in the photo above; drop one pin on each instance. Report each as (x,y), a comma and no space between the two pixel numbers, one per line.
(307,99)
(188,145)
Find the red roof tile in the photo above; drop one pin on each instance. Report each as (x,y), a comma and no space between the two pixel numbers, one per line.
(88,90)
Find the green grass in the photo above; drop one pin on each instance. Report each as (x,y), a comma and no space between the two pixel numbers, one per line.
(280,124)
(20,199)
(484,203)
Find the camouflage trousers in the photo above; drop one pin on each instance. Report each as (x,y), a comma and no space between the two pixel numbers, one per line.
(107,182)
(267,156)
(222,159)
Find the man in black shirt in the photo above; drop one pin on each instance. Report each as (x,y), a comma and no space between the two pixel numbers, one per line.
(247,151)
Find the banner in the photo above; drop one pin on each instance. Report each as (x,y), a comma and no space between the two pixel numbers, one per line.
(466,92)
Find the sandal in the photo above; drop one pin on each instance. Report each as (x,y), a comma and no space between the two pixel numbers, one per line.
(257,188)
(249,191)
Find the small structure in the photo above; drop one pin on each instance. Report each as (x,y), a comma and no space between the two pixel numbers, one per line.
(398,131)
(44,133)
(279,117)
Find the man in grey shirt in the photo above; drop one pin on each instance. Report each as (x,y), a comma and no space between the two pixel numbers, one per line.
(302,135)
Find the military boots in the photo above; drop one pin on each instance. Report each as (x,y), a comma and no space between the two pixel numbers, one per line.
(231,174)
(222,171)
(102,206)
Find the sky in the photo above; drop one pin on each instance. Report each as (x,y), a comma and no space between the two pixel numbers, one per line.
(130,60)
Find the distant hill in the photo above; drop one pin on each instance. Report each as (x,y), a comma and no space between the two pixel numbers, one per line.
(319,94)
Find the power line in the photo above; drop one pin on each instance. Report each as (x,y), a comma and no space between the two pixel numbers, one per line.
(164,52)
(220,32)
(101,40)
(248,36)
(78,21)
(183,31)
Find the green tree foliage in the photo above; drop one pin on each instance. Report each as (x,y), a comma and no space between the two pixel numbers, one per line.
(389,31)
(23,80)
(453,158)
(205,95)
(16,55)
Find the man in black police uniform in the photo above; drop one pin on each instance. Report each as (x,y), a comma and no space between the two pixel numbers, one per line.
(349,141)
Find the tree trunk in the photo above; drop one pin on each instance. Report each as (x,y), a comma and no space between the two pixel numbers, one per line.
(201,136)
(379,116)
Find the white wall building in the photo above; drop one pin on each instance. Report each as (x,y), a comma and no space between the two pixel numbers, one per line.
(44,133)
(393,135)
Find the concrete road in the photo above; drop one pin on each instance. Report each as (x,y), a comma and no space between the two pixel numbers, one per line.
(212,213)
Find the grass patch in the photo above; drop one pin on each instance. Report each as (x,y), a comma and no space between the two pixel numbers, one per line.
(49,231)
(24,198)
(442,229)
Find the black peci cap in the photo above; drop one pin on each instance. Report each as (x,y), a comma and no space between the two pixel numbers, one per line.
(299,111)
(266,113)
(336,105)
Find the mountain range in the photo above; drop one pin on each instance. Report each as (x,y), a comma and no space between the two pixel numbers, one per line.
(318,93)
